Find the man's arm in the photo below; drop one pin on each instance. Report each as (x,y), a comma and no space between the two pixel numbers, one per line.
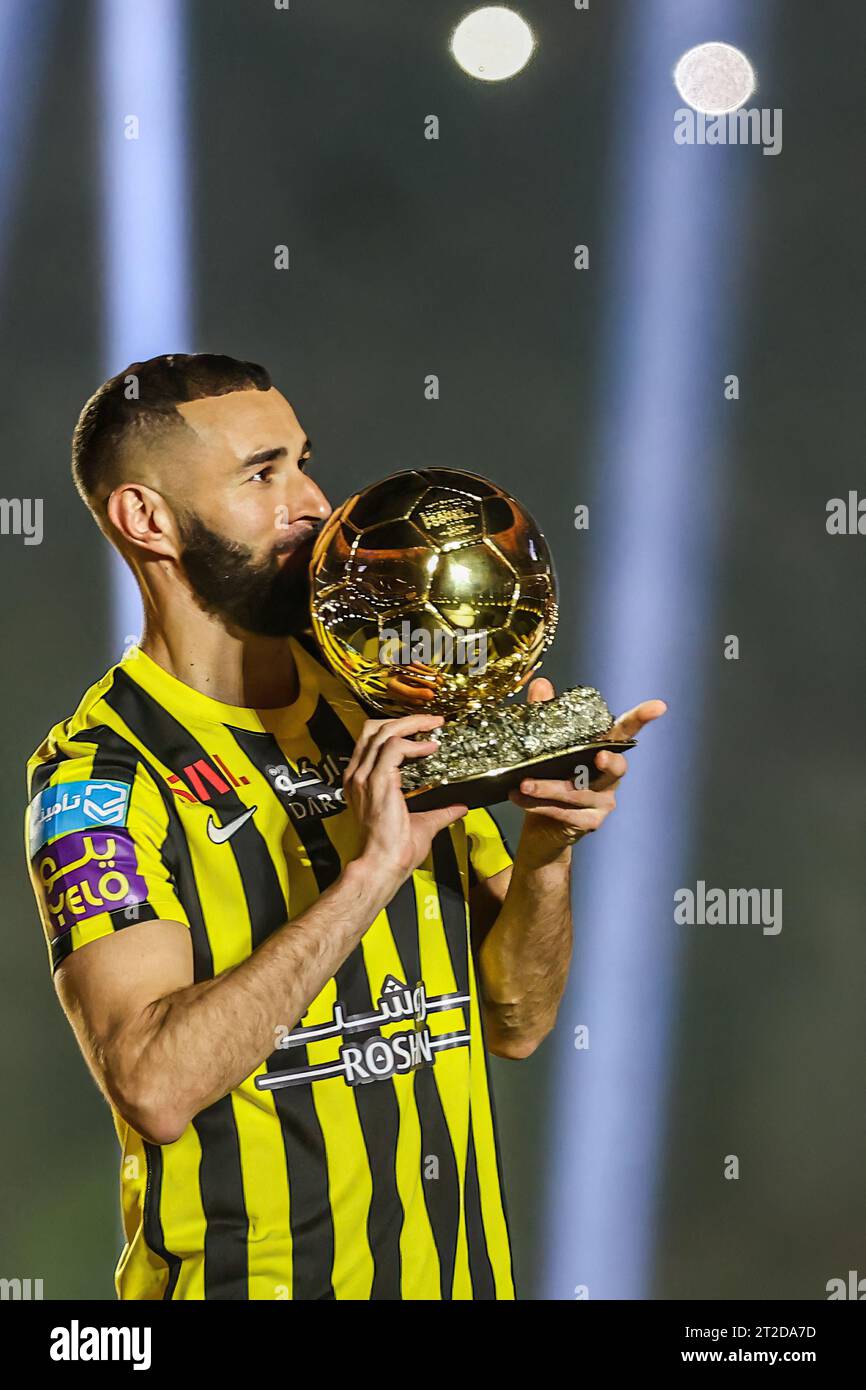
(522,938)
(521,918)
(161,1047)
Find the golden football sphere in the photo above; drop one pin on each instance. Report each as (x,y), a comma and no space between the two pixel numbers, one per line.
(432,590)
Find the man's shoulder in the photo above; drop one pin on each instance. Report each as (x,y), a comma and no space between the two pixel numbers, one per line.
(74,737)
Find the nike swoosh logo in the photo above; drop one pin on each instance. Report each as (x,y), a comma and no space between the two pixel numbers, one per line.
(220,833)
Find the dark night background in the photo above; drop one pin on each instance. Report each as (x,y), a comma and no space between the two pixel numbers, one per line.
(410,257)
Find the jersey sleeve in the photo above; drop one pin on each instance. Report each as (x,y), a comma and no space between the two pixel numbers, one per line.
(489,851)
(95,851)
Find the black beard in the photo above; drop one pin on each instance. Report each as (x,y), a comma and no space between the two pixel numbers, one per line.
(267,598)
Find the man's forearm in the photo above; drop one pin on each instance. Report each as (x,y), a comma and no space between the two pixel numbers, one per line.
(194,1046)
(524,958)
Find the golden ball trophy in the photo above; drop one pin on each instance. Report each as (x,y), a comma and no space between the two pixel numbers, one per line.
(434,591)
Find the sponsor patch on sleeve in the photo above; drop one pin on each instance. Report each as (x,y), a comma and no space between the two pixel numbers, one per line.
(87,872)
(75,806)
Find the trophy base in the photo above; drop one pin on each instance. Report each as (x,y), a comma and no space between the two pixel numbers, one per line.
(488,788)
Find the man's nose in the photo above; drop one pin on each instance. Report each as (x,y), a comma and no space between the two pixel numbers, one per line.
(308,500)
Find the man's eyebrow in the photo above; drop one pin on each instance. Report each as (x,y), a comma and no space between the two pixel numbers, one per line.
(264,456)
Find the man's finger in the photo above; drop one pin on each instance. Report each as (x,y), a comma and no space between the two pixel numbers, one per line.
(390,752)
(583,818)
(629,725)
(370,726)
(434,821)
(539,689)
(367,750)
(566,793)
(612,766)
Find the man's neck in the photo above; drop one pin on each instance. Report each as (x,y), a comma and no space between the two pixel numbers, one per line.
(236,668)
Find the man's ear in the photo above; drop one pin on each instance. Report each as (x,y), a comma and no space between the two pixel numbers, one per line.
(142,518)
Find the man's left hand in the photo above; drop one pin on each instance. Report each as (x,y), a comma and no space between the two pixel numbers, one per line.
(559,813)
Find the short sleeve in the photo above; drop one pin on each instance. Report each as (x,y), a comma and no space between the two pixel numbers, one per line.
(489,851)
(95,852)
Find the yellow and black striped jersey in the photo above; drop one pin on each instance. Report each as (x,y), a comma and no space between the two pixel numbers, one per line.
(361,1159)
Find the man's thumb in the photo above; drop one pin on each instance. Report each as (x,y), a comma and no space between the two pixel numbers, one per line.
(540,689)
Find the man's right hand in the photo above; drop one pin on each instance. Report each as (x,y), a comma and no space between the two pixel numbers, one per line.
(395,840)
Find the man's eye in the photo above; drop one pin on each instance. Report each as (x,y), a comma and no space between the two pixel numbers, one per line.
(262,474)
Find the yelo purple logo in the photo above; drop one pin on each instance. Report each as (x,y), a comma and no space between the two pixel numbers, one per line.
(85,873)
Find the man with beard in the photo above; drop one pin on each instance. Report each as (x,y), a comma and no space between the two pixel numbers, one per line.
(269,965)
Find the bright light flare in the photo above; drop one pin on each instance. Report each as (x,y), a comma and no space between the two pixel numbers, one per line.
(492,43)
(714,78)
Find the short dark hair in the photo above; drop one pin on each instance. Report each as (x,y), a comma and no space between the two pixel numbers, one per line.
(142,401)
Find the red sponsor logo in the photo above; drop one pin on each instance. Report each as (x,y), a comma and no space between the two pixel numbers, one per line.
(203,779)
